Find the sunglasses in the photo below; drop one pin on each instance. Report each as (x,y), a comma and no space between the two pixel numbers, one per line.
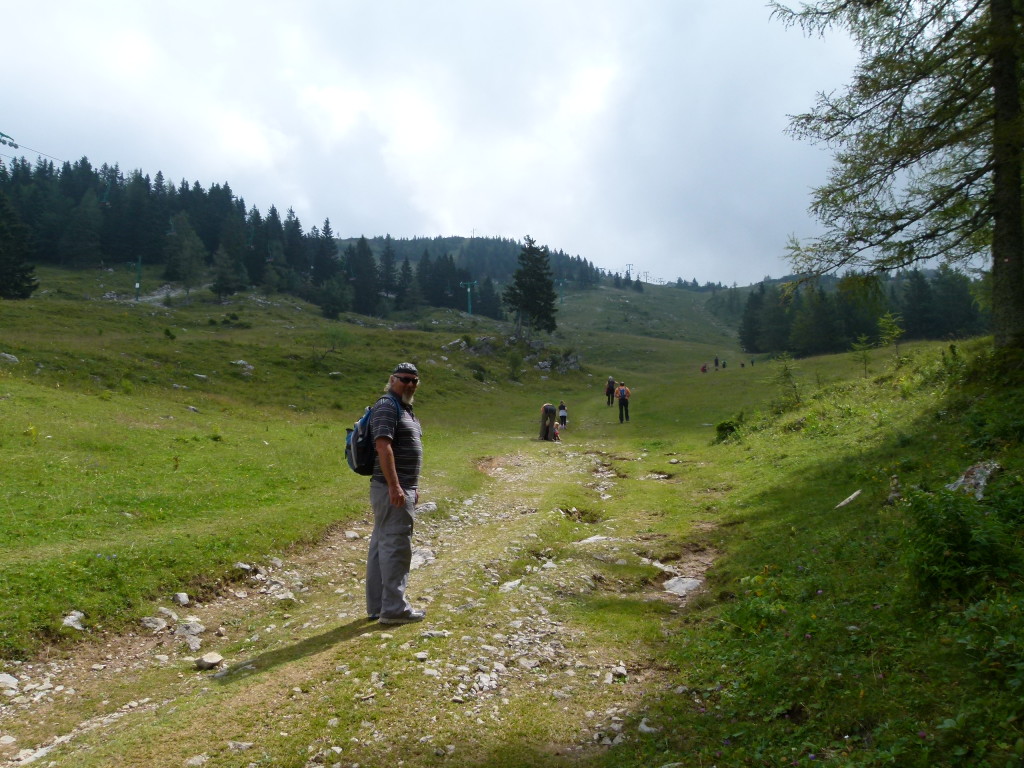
(408,379)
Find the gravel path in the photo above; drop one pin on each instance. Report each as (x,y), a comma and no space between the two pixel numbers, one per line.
(304,679)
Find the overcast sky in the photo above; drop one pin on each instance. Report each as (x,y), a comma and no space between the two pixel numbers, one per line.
(647,133)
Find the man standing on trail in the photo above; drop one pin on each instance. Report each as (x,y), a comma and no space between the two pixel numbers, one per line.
(609,390)
(622,393)
(393,496)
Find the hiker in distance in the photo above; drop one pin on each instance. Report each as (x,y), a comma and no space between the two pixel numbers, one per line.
(622,393)
(393,496)
(547,421)
(563,414)
(609,390)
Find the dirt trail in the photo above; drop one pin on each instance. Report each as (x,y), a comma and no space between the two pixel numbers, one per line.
(307,680)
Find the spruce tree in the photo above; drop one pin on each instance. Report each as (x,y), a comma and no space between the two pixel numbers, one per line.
(362,271)
(531,296)
(229,275)
(489,302)
(186,254)
(325,256)
(17,276)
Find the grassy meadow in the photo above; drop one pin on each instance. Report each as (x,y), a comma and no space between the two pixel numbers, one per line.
(142,456)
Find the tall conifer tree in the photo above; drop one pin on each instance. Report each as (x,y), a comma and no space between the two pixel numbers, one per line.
(930,151)
(531,296)
(17,276)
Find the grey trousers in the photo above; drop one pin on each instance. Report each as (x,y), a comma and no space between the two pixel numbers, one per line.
(390,554)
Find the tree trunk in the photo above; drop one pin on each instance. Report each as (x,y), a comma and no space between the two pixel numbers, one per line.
(1007,155)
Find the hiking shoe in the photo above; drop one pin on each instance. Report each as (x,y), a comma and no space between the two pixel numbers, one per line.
(372,617)
(406,618)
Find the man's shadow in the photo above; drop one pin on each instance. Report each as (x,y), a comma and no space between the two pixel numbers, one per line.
(289,653)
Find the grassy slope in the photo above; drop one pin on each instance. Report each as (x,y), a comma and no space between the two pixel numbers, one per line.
(811,640)
(139,453)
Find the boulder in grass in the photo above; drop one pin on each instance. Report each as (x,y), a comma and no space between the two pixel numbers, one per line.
(154,623)
(211,660)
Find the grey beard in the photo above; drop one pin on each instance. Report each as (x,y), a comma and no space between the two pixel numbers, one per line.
(407,398)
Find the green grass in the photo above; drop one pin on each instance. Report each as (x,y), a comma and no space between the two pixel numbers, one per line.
(869,634)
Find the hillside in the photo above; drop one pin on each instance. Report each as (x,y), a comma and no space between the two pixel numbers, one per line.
(842,616)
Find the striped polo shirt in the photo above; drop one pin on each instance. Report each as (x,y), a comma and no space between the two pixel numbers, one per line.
(401,426)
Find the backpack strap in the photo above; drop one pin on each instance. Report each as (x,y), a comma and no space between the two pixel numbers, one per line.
(396,401)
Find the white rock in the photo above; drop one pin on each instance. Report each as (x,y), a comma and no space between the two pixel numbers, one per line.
(209,661)
(192,626)
(645,728)
(421,556)
(74,620)
(197,760)
(180,598)
(680,585)
(153,623)
(8,681)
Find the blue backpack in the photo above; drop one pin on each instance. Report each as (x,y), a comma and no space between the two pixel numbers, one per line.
(360,447)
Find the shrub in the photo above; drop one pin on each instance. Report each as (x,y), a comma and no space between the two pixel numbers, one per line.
(478,371)
(515,363)
(957,546)
(726,429)
(991,631)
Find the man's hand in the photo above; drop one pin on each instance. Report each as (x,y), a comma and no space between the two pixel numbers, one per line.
(397,495)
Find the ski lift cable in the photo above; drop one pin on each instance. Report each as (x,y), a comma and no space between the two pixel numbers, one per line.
(38,152)
(8,140)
